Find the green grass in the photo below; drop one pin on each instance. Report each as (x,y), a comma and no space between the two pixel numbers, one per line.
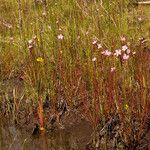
(68,70)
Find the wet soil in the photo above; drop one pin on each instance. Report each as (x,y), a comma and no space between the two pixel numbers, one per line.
(69,130)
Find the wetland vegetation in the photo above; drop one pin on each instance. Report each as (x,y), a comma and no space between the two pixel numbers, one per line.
(74,74)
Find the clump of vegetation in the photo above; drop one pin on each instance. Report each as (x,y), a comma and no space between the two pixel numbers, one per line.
(72,52)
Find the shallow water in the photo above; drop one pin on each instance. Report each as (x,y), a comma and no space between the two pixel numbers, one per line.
(74,138)
(12,138)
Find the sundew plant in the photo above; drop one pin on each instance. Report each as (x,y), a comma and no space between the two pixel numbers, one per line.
(91,52)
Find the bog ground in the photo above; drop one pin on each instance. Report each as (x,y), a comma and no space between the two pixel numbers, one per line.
(74,75)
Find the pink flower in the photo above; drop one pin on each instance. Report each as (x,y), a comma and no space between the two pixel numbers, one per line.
(99,46)
(124,48)
(49,27)
(87,33)
(133,53)
(117,52)
(106,53)
(123,39)
(30,42)
(112,69)
(60,37)
(30,46)
(94,59)
(125,57)
(94,42)
(128,51)
(139,19)
(44,13)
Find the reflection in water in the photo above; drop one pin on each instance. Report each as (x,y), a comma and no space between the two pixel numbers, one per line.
(9,136)
(13,139)
(57,141)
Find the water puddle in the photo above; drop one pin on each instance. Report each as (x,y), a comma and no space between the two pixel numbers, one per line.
(12,138)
